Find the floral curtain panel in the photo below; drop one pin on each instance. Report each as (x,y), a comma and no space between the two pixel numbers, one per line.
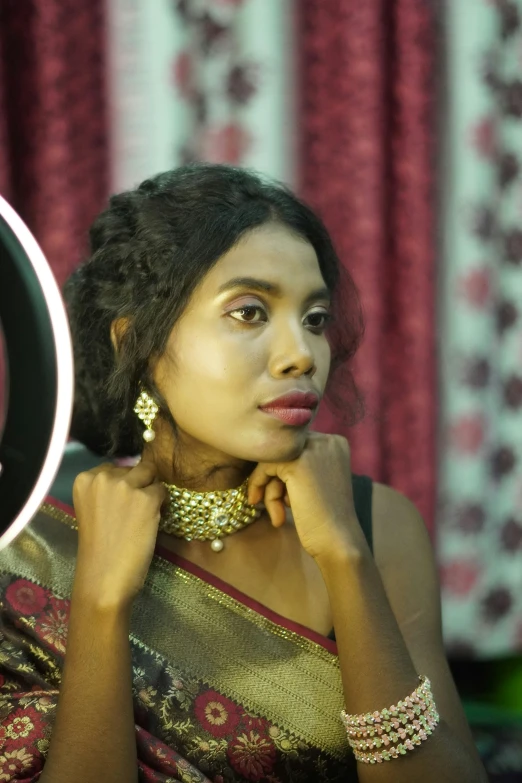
(480,508)
(194,80)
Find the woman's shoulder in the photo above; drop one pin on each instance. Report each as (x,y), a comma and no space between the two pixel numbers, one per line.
(399,531)
(394,528)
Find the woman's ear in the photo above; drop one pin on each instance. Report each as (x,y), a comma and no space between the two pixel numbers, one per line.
(118,329)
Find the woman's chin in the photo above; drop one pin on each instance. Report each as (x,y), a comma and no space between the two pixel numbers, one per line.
(282,448)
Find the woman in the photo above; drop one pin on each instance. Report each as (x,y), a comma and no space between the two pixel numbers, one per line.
(205,581)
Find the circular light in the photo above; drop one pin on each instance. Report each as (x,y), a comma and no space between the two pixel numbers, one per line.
(40,372)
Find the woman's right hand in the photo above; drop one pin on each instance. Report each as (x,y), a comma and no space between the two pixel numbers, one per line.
(118,512)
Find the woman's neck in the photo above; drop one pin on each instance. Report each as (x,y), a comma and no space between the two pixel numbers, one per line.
(196,466)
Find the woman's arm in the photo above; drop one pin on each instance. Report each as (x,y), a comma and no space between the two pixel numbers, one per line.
(388,630)
(118,512)
(93,738)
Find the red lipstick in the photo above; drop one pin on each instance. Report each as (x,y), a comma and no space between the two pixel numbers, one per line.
(295,408)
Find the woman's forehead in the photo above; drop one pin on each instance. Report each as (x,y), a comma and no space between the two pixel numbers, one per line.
(271,253)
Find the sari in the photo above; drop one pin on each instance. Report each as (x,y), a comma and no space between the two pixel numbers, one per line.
(224,689)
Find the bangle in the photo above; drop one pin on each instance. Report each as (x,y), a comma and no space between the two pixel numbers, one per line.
(414,703)
(390,733)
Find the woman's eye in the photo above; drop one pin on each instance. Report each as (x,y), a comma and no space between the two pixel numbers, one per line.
(249,314)
(318,320)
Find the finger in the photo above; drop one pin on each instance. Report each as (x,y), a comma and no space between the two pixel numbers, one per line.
(142,475)
(273,500)
(110,468)
(287,500)
(105,466)
(262,475)
(157,492)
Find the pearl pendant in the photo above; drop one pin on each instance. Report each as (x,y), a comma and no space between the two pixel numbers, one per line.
(149,435)
(217,545)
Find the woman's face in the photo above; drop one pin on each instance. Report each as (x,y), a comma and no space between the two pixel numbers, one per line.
(253,330)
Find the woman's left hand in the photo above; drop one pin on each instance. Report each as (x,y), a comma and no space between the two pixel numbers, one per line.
(318,488)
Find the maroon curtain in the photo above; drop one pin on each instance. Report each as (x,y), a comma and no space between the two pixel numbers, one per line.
(53,127)
(4,155)
(367,163)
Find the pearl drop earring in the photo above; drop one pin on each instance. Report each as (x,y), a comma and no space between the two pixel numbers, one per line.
(146,410)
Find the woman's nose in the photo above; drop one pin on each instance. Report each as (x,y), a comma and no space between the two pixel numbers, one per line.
(292,355)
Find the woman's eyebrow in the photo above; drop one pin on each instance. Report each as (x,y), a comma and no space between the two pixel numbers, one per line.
(250,282)
(256,284)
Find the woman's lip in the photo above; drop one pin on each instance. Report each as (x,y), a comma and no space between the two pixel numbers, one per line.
(297,417)
(295,399)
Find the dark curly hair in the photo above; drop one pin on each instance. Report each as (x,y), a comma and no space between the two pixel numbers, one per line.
(148,251)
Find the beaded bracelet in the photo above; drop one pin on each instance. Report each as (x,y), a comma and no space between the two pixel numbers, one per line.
(420,696)
(411,720)
(395,751)
(420,730)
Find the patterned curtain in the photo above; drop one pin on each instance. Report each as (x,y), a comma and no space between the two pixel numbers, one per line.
(53,155)
(480,516)
(367,162)
(194,80)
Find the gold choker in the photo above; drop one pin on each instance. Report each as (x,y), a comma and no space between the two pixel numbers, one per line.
(207,516)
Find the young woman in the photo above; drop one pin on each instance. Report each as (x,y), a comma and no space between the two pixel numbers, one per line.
(239,606)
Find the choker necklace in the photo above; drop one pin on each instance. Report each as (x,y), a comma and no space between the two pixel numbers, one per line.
(207,516)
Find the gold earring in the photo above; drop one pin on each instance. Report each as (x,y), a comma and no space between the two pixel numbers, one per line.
(146,410)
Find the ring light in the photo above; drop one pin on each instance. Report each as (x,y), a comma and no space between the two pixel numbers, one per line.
(39,371)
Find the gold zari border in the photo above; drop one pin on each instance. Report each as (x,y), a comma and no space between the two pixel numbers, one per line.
(226,600)
(61,516)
